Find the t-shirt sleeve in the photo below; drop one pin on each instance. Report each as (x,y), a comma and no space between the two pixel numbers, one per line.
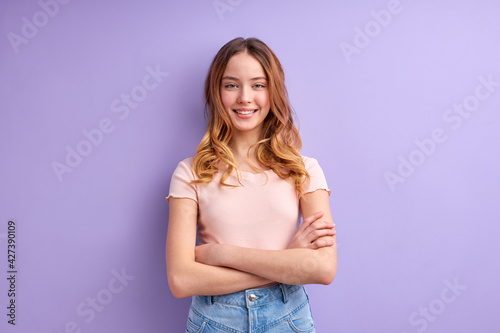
(318,180)
(179,185)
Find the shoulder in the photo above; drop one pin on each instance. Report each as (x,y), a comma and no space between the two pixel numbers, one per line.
(312,166)
(188,162)
(181,183)
(317,179)
(307,159)
(310,162)
(185,168)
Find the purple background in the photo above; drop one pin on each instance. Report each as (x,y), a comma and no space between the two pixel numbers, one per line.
(360,114)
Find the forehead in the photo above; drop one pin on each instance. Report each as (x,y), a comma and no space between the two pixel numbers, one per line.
(244,66)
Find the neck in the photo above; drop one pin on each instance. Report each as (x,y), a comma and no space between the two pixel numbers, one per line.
(241,142)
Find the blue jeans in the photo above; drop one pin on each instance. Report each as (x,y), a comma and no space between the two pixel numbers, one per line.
(279,308)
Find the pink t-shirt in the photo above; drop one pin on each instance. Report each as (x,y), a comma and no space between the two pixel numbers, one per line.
(263,214)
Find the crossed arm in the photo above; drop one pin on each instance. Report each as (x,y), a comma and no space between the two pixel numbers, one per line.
(214,269)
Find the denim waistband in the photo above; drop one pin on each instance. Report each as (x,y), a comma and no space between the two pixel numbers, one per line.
(253,297)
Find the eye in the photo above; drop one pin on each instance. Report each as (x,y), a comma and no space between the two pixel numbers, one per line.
(230,85)
(258,85)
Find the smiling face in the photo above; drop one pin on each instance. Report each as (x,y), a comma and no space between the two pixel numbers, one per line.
(244,94)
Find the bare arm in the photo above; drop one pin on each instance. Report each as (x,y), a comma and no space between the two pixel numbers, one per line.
(186,277)
(290,266)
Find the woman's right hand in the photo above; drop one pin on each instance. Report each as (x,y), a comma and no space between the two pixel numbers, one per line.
(314,233)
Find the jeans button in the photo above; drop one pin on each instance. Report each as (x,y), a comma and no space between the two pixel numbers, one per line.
(252,297)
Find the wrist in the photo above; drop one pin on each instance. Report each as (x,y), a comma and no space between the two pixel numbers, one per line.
(224,254)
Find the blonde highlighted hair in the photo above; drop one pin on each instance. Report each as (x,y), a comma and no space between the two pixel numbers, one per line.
(279,143)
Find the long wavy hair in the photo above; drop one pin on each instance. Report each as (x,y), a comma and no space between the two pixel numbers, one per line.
(279,143)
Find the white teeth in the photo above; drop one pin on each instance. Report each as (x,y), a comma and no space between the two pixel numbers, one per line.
(245,112)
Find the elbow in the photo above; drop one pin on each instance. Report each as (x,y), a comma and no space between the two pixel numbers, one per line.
(177,286)
(178,293)
(327,276)
(328,267)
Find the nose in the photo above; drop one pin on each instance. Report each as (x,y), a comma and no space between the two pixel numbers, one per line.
(245,96)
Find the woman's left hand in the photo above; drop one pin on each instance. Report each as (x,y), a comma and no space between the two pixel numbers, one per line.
(314,233)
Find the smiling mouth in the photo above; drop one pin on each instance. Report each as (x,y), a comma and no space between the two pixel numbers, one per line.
(245,112)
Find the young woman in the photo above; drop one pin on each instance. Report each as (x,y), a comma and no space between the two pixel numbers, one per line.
(242,197)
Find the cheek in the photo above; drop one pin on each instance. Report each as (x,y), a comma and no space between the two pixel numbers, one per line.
(227,99)
(265,114)
(263,100)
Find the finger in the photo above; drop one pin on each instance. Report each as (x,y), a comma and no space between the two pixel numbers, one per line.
(320,225)
(322,243)
(311,218)
(302,232)
(315,235)
(313,231)
(308,235)
(306,222)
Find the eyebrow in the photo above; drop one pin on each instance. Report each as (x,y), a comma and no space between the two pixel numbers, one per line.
(236,79)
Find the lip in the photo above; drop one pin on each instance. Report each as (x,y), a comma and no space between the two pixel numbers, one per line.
(245,109)
(245,116)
